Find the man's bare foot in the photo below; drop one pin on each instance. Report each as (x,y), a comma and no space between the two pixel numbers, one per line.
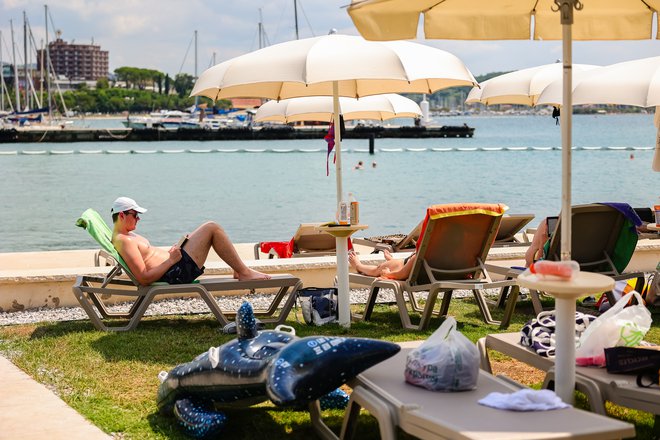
(251,274)
(388,256)
(355,263)
(353,259)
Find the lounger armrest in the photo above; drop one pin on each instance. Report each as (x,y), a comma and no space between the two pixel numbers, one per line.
(506,271)
(358,278)
(378,247)
(363,241)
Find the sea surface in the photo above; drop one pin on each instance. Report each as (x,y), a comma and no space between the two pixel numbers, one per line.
(262,190)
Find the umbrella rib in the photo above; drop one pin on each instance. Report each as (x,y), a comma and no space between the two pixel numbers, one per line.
(431,7)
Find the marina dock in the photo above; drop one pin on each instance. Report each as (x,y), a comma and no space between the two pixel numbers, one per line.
(69,134)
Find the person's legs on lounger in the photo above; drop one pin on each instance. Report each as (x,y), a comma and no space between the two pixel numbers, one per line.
(392,268)
(176,266)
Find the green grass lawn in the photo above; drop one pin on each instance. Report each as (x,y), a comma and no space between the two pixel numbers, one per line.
(111,378)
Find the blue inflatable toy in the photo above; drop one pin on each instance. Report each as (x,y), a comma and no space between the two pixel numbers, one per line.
(262,365)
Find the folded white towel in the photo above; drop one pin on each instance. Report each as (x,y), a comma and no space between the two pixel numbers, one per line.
(524,400)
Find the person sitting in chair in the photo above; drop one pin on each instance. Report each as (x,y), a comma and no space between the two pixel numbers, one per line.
(392,268)
(542,235)
(176,266)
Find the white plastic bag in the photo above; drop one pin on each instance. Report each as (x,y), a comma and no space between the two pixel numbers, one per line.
(446,361)
(619,326)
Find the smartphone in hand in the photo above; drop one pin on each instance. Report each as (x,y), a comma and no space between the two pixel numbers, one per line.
(182,241)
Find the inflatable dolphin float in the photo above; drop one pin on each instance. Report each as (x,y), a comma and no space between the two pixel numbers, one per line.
(262,365)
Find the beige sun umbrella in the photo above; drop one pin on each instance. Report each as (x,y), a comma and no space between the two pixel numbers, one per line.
(334,65)
(521,86)
(502,19)
(319,108)
(512,19)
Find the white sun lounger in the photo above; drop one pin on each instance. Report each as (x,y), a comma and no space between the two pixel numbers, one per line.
(457,415)
(596,383)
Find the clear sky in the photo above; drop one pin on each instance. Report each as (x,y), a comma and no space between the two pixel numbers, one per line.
(157,34)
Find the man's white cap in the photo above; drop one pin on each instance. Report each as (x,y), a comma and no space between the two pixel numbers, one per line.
(126,204)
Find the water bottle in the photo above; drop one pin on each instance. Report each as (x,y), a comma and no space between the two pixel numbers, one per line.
(343,214)
(563,270)
(354,209)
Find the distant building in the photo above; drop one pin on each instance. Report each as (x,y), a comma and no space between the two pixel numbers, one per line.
(244,103)
(81,62)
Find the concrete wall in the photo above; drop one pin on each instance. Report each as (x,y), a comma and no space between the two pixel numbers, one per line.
(36,279)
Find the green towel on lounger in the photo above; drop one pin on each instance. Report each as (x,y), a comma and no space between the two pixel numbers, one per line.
(99,230)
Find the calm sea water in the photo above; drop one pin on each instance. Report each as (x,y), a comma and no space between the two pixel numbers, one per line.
(263,190)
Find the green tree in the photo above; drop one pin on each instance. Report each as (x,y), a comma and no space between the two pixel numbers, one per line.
(168,84)
(183,84)
(102,83)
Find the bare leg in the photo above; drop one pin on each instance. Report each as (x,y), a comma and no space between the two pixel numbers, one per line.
(399,271)
(364,269)
(391,265)
(211,235)
(540,237)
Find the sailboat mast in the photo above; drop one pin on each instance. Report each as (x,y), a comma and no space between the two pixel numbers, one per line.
(2,78)
(41,73)
(261,31)
(13,52)
(196,97)
(50,111)
(25,62)
(295,14)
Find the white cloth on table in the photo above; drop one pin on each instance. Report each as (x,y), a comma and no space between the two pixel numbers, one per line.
(525,400)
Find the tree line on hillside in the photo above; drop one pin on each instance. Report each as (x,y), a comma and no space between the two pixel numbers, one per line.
(139,90)
(136,90)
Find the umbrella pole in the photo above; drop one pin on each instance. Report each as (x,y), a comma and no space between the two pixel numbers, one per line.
(344,298)
(565,307)
(566,128)
(338,134)
(656,155)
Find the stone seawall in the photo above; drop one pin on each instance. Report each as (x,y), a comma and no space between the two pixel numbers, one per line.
(36,279)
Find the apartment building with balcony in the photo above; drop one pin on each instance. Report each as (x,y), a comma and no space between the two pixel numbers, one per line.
(78,62)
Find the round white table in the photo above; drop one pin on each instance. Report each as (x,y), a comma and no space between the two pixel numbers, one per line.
(341,234)
(565,293)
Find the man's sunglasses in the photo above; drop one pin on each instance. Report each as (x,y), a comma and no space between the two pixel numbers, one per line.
(135,214)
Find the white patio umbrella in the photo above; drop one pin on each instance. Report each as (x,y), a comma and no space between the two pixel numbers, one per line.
(512,19)
(334,65)
(320,108)
(520,87)
(634,82)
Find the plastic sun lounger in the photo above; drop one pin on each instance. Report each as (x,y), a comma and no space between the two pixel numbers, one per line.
(510,226)
(457,415)
(90,291)
(392,243)
(596,230)
(306,242)
(647,215)
(454,242)
(596,383)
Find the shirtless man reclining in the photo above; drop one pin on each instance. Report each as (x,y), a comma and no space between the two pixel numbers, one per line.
(392,268)
(179,265)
